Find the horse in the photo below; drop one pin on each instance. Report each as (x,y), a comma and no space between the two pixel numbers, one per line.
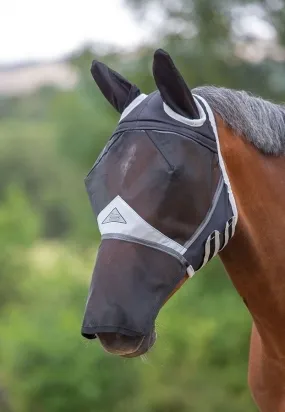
(188,175)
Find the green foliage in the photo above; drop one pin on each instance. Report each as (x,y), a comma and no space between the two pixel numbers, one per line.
(203,37)
(54,185)
(199,362)
(84,124)
(48,366)
(18,222)
(19,228)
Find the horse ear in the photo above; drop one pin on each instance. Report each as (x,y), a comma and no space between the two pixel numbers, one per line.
(116,89)
(173,89)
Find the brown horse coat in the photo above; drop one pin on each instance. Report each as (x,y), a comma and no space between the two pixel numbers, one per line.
(254,260)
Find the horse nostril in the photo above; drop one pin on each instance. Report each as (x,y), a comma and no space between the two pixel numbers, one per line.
(108,338)
(118,343)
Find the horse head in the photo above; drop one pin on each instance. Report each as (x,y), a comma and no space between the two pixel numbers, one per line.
(163,203)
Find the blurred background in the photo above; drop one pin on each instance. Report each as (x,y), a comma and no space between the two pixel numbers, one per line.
(53,124)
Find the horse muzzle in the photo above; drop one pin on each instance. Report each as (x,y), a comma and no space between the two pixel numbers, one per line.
(126,346)
(130,284)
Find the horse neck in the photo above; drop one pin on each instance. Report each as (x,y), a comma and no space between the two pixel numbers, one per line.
(255,257)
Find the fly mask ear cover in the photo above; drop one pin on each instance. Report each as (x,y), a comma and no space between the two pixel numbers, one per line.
(133,212)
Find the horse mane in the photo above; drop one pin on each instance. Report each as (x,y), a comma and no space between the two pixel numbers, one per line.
(260,121)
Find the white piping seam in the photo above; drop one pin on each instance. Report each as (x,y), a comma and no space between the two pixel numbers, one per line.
(226,235)
(221,160)
(217,242)
(190,271)
(207,250)
(132,105)
(157,246)
(190,122)
(208,216)
(234,224)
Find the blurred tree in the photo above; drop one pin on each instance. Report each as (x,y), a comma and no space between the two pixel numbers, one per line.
(209,40)
(199,362)
(47,367)
(29,158)
(84,123)
(19,229)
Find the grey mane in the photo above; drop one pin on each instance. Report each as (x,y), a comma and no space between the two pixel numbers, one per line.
(260,121)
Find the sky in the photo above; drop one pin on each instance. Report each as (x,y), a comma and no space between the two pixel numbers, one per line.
(47,30)
(37,30)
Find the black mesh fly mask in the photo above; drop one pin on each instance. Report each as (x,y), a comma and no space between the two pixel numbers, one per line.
(162,199)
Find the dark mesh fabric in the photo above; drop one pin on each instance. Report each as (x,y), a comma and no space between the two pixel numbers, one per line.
(130,284)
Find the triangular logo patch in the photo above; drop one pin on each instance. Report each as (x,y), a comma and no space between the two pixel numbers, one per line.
(114,217)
